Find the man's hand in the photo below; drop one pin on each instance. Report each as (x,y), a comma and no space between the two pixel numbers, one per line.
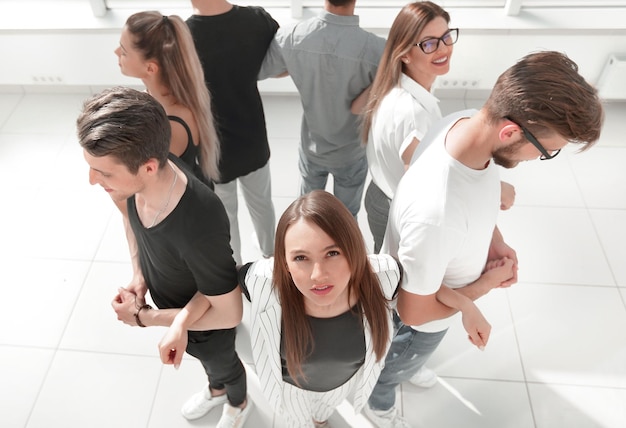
(125,304)
(476,326)
(137,286)
(507,195)
(498,250)
(500,272)
(172,346)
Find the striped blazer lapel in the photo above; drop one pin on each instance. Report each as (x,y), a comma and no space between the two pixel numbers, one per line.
(270,372)
(265,329)
(389,276)
(369,372)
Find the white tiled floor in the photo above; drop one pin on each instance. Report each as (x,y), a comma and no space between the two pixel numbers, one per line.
(557,356)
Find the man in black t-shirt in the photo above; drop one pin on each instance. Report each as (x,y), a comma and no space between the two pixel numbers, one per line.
(178,235)
(231,42)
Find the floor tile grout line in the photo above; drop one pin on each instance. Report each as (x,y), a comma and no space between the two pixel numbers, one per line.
(521,360)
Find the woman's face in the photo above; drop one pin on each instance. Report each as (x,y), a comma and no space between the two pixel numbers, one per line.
(130,60)
(319,269)
(423,67)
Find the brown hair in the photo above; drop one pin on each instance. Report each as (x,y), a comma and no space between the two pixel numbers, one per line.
(341,3)
(407,26)
(168,41)
(329,214)
(127,124)
(545,93)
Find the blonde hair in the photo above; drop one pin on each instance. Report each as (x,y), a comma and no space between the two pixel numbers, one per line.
(168,41)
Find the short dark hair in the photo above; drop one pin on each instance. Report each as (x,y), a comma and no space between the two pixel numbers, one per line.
(545,93)
(127,124)
(340,3)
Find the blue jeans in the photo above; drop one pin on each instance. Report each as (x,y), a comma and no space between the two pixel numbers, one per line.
(409,351)
(349,180)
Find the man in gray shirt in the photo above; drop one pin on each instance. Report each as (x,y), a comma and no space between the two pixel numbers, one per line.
(331,61)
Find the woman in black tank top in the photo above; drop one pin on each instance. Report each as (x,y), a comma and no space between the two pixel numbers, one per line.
(160,51)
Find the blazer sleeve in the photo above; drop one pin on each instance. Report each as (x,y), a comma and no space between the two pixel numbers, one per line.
(389,273)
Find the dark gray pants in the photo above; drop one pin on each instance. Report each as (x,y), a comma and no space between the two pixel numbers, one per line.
(377,207)
(216,351)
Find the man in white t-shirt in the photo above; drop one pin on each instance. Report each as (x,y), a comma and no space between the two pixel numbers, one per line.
(442,222)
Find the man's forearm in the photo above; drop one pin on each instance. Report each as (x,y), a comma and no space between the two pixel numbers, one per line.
(453,299)
(186,316)
(417,310)
(195,309)
(476,289)
(198,314)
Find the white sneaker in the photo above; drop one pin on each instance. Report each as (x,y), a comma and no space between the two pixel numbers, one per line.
(235,417)
(201,403)
(424,378)
(386,418)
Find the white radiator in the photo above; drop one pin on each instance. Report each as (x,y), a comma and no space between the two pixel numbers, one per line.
(612,82)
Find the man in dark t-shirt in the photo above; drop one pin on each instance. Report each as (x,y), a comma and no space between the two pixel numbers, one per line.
(178,235)
(231,42)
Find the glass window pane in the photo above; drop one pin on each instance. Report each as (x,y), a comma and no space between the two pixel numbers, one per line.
(160,4)
(400,3)
(572,3)
(157,4)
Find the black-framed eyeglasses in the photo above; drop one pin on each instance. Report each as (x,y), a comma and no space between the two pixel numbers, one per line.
(431,44)
(530,137)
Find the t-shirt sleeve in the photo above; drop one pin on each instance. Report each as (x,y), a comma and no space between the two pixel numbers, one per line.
(241,277)
(414,124)
(209,257)
(214,271)
(271,22)
(423,256)
(274,62)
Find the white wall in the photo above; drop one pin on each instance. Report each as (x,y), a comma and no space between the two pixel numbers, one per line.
(78,49)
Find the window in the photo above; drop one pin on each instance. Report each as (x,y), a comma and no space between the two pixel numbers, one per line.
(156,4)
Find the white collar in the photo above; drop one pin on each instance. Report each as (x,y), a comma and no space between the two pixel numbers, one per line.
(417,91)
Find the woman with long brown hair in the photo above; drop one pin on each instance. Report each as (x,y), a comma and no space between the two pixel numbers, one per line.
(320,314)
(320,311)
(401,108)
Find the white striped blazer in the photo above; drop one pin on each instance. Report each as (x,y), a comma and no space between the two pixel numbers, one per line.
(265,330)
